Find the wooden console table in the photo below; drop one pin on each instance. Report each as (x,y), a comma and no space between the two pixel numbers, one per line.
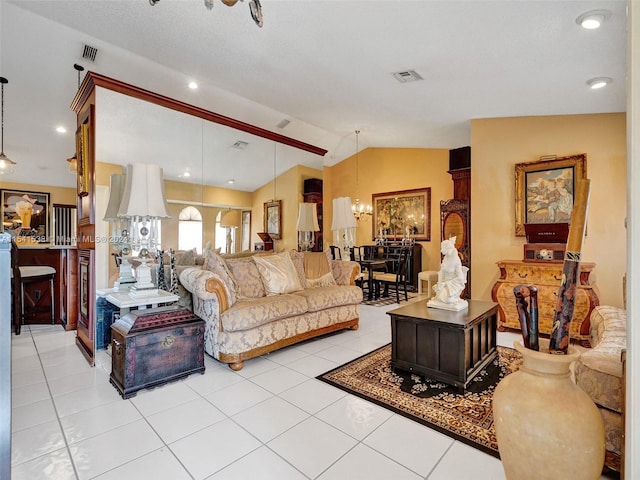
(547,277)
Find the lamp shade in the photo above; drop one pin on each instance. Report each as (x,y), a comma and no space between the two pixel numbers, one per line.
(116,189)
(342,214)
(143,192)
(307,218)
(231,219)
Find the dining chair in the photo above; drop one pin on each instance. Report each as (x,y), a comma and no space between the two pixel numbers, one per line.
(397,278)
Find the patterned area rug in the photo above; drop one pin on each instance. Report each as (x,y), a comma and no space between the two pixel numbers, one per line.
(467,416)
(389,300)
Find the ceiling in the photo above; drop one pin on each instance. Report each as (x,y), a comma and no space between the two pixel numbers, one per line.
(324,65)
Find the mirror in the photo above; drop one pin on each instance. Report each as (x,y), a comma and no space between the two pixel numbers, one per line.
(199,159)
(453,226)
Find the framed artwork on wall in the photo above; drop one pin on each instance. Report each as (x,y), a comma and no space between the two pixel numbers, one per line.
(25,215)
(82,154)
(273,218)
(402,214)
(545,190)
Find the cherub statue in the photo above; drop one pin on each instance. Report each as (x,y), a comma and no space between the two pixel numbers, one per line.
(452,278)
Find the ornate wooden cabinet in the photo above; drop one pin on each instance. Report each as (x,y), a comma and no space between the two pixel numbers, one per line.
(547,277)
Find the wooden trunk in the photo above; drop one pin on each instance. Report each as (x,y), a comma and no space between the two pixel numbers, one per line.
(155,346)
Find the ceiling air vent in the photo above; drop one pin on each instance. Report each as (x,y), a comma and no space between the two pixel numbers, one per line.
(283,123)
(407,76)
(89,53)
(240,145)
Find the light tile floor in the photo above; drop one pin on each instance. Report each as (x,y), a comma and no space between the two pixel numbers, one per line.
(271,420)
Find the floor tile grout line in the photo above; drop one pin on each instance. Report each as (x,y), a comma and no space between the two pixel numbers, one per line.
(55,409)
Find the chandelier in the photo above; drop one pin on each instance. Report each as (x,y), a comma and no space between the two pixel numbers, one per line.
(254,8)
(360,210)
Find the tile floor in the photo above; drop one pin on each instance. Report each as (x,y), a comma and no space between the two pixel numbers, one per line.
(271,420)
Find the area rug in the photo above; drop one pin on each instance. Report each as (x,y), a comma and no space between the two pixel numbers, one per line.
(389,300)
(466,416)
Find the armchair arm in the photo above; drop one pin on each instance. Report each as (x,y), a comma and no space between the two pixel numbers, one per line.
(345,273)
(205,285)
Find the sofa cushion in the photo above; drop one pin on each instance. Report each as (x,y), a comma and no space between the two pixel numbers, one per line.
(278,274)
(250,313)
(322,298)
(214,263)
(247,277)
(298,262)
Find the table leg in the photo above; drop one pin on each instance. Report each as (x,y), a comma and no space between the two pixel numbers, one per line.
(370,270)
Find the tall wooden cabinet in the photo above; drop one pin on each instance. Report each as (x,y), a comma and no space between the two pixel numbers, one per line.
(547,277)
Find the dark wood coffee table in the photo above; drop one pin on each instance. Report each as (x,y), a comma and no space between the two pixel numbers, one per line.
(443,345)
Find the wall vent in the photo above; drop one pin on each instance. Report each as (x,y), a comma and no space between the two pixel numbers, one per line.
(407,76)
(89,53)
(283,123)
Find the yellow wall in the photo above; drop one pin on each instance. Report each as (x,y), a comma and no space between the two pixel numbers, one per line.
(498,144)
(387,170)
(288,188)
(61,195)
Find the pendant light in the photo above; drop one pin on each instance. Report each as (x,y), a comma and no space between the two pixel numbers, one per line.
(6,164)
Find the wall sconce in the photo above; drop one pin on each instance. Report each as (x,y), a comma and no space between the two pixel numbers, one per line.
(143,204)
(343,225)
(307,224)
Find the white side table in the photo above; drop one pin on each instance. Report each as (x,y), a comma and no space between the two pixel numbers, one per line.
(126,302)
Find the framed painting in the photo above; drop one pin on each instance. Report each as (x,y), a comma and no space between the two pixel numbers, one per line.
(545,190)
(25,215)
(273,218)
(82,154)
(403,214)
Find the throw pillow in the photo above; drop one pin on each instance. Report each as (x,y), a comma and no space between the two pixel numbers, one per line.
(298,262)
(216,264)
(278,273)
(246,276)
(326,280)
(186,257)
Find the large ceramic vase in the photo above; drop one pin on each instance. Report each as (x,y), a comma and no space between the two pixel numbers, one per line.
(546,426)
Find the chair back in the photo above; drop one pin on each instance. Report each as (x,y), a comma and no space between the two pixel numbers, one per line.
(335,252)
(403,264)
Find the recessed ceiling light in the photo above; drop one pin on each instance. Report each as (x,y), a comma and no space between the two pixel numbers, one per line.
(231,181)
(598,82)
(186,174)
(593,19)
(61,129)
(193,85)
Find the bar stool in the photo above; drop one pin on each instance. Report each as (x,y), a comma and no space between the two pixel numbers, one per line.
(29,306)
(429,276)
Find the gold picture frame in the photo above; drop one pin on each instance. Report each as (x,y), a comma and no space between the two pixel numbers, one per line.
(545,190)
(82,154)
(402,214)
(273,218)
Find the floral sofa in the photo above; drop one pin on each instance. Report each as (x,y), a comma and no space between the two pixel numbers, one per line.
(256,304)
(599,372)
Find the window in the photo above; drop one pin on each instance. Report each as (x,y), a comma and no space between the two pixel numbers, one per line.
(190,229)
(221,233)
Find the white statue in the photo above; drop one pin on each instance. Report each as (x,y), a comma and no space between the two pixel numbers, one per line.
(452,278)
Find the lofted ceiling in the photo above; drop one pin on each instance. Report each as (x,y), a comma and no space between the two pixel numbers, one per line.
(324,65)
